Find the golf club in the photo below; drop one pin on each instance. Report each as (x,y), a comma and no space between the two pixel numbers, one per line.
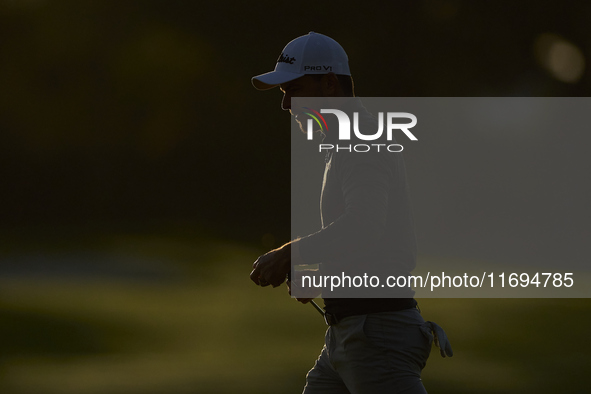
(314,304)
(318,308)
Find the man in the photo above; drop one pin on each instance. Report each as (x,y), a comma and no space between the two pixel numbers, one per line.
(373,345)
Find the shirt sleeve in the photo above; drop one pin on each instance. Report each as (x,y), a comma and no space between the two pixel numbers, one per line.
(365,180)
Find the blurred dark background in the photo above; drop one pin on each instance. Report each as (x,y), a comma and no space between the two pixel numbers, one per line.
(141,174)
(142,112)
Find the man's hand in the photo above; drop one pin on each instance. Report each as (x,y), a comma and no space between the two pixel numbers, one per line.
(308,293)
(272,268)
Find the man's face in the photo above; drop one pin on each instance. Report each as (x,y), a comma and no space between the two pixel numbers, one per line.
(305,86)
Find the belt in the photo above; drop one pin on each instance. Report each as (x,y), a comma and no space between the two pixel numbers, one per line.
(330,319)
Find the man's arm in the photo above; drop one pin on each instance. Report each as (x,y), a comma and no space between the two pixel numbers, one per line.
(365,182)
(272,267)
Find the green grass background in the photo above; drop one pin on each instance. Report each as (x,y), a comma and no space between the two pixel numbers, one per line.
(208,329)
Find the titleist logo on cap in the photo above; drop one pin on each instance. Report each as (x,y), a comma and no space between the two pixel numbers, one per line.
(284,58)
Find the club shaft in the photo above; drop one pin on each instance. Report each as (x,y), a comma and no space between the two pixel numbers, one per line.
(319,309)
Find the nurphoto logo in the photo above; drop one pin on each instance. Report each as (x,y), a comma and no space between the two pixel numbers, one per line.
(345,129)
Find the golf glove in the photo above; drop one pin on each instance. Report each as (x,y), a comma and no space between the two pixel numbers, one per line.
(436,333)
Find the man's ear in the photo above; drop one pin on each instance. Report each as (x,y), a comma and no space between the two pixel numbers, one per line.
(330,85)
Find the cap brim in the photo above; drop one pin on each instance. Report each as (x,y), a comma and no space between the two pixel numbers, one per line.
(273,78)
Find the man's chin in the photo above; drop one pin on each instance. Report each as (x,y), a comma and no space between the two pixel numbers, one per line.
(300,119)
(299,122)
